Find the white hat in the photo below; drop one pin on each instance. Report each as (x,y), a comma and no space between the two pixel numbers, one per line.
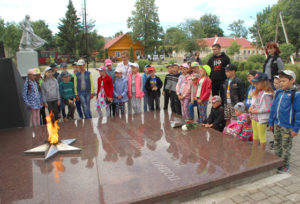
(289,73)
(48,69)
(119,70)
(134,65)
(81,62)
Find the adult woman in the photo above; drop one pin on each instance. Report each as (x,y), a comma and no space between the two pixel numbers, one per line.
(273,64)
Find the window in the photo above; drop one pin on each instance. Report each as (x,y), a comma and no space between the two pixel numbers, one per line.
(118,54)
(245,52)
(249,51)
(253,52)
(138,53)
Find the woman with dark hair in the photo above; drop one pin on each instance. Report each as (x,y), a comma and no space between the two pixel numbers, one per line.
(273,64)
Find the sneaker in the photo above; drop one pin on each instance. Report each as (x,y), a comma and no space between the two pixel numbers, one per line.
(283,169)
(271,144)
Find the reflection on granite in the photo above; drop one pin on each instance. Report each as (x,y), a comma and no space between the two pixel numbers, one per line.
(130,159)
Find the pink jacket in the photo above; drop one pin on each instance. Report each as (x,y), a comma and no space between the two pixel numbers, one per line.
(186,83)
(138,88)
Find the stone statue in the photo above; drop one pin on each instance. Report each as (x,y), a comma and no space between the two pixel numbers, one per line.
(29,40)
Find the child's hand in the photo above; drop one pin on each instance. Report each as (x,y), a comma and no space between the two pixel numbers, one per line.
(58,102)
(70,100)
(77,98)
(46,105)
(195,98)
(163,93)
(92,96)
(294,134)
(250,109)
(254,111)
(74,100)
(199,101)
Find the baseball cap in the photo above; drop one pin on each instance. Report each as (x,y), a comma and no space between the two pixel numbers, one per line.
(53,65)
(207,69)
(175,64)
(276,77)
(169,65)
(64,74)
(240,106)
(195,64)
(231,67)
(63,64)
(74,63)
(147,65)
(37,71)
(134,65)
(260,77)
(31,71)
(151,69)
(215,99)
(185,65)
(107,62)
(289,73)
(101,68)
(48,69)
(195,76)
(119,70)
(81,62)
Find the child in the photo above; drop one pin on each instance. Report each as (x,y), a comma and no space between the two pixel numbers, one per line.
(66,89)
(203,91)
(276,82)
(146,98)
(234,92)
(242,127)
(183,90)
(78,104)
(193,102)
(54,69)
(216,117)
(31,97)
(285,117)
(168,86)
(39,81)
(64,67)
(50,93)
(260,108)
(195,68)
(120,91)
(135,89)
(111,72)
(250,89)
(153,86)
(84,88)
(104,92)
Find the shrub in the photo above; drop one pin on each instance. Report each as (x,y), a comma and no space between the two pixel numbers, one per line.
(243,76)
(249,66)
(287,50)
(242,65)
(142,63)
(131,56)
(172,61)
(257,58)
(295,68)
(205,59)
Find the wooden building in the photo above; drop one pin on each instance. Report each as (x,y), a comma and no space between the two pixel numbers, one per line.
(121,43)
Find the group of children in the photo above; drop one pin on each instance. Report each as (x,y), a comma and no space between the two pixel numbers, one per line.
(246,114)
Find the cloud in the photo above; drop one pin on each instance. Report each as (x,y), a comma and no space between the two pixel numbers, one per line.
(111,15)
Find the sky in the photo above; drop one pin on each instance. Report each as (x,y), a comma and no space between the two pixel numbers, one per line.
(111,15)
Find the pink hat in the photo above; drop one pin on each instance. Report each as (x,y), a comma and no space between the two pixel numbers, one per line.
(107,62)
(185,65)
(101,68)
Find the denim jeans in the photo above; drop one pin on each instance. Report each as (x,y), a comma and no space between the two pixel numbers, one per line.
(146,103)
(78,107)
(191,109)
(84,98)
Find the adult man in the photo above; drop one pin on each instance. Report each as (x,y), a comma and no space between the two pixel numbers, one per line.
(84,88)
(218,62)
(125,64)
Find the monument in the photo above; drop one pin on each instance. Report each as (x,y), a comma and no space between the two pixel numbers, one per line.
(26,57)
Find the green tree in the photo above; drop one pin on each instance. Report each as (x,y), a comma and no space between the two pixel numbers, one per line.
(41,29)
(131,58)
(2,29)
(106,53)
(233,48)
(191,45)
(211,25)
(287,50)
(238,29)
(69,30)
(145,24)
(12,37)
(175,38)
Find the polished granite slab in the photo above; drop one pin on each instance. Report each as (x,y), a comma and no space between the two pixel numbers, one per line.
(138,158)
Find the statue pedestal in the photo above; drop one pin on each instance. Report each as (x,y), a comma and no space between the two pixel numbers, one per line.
(27,60)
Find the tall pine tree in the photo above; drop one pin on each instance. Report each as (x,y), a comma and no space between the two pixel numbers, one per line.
(69,30)
(144,23)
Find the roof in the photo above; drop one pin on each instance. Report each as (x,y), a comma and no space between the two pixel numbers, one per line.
(113,41)
(225,41)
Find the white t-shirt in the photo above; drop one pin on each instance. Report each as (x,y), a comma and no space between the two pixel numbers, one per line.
(126,69)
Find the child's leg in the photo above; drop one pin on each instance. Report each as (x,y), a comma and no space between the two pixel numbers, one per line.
(277,140)
(191,110)
(43,116)
(287,144)
(99,112)
(157,101)
(202,111)
(262,135)
(137,105)
(78,107)
(71,110)
(117,109)
(151,99)
(122,107)
(255,133)
(185,107)
(130,106)
(35,114)
(107,111)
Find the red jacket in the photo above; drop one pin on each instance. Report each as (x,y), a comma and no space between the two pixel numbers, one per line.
(108,86)
(205,89)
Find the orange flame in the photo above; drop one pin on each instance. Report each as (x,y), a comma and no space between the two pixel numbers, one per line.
(52,129)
